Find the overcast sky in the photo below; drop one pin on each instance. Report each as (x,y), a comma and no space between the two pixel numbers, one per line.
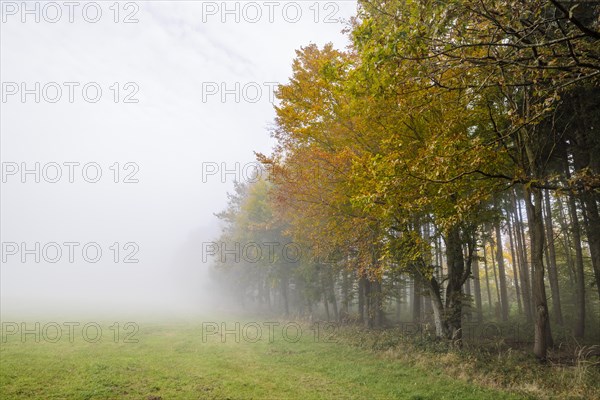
(174,62)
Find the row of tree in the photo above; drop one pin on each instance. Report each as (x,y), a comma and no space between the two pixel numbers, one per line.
(453,149)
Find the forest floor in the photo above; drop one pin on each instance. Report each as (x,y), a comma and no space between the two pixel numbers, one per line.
(257,361)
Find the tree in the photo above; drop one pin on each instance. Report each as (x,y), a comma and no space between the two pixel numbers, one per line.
(519,62)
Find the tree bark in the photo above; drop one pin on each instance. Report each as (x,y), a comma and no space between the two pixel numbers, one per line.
(552,270)
(438,309)
(368,304)
(502,274)
(361,299)
(454,295)
(332,296)
(377,304)
(345,294)
(592,228)
(477,289)
(524,270)
(579,327)
(487,278)
(398,300)
(542,336)
(325,296)
(467,289)
(416,301)
(498,305)
(585,151)
(515,265)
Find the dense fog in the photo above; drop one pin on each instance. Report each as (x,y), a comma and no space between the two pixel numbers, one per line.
(153,103)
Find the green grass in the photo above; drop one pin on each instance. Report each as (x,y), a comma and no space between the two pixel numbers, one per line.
(174,362)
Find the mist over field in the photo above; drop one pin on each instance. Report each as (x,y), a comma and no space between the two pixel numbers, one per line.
(171,129)
(300,199)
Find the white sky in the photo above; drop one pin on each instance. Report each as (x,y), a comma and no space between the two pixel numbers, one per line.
(172,52)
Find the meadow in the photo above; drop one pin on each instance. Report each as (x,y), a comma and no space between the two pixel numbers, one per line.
(202,361)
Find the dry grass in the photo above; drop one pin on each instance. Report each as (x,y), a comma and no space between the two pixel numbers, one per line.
(571,372)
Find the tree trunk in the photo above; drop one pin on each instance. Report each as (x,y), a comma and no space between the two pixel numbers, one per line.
(523,270)
(416,301)
(477,288)
(361,299)
(514,262)
(326,305)
(564,226)
(284,295)
(552,270)
(502,274)
(438,309)
(398,300)
(454,295)
(467,288)
(585,151)
(498,305)
(592,228)
(487,278)
(542,336)
(579,328)
(368,303)
(345,309)
(332,296)
(377,304)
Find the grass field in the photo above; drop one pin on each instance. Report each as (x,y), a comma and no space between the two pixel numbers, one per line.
(184,361)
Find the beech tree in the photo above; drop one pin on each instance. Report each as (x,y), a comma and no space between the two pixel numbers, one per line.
(453,141)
